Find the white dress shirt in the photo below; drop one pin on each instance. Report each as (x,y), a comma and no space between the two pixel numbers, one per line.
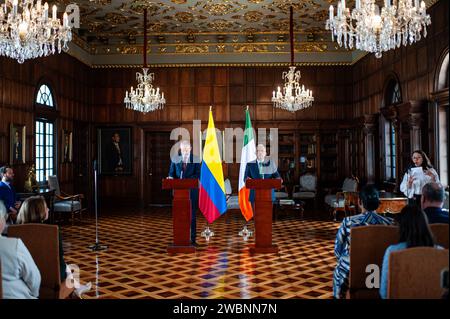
(418,183)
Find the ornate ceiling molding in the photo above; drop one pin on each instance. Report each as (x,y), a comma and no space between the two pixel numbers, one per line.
(226,32)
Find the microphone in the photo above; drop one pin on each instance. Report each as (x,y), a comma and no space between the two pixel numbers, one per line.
(95,164)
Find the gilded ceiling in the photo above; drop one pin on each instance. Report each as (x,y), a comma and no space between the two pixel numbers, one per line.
(186,27)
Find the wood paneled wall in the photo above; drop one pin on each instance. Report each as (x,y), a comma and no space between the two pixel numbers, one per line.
(190,92)
(69,80)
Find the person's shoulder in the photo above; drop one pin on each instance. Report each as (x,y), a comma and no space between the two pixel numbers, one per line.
(396,247)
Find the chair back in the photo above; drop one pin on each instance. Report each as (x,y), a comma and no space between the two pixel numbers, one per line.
(415,273)
(350,185)
(54,184)
(367,246)
(308,182)
(228,189)
(440,232)
(42,242)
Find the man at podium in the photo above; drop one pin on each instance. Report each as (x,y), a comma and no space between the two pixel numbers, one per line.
(262,168)
(187,166)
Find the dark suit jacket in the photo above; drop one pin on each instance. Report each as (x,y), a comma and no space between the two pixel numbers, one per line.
(192,171)
(114,157)
(269,170)
(7,195)
(436,215)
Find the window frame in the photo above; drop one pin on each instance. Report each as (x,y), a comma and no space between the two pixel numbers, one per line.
(46,114)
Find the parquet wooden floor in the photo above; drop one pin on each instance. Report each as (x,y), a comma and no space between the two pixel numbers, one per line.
(136,264)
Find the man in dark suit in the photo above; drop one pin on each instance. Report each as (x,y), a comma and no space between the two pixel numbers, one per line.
(432,201)
(187,166)
(262,168)
(115,158)
(8,194)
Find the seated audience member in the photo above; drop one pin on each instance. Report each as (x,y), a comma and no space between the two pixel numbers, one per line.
(368,201)
(8,194)
(432,201)
(414,232)
(34,210)
(20,275)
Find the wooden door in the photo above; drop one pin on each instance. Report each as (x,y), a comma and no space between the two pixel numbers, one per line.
(81,160)
(157,164)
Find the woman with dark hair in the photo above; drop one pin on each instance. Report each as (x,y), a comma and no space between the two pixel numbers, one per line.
(414,232)
(369,200)
(419,172)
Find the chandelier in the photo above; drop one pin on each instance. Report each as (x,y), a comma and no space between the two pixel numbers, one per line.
(27,32)
(294,96)
(365,28)
(144,98)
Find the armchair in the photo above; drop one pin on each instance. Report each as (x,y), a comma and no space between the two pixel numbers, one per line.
(307,190)
(345,200)
(282,193)
(65,203)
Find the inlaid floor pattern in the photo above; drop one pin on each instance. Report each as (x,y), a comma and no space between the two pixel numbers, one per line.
(136,264)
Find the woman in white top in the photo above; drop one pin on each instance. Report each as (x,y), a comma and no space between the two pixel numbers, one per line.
(419,173)
(20,276)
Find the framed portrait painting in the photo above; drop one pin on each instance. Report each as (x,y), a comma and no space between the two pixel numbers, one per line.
(17,142)
(114,150)
(66,147)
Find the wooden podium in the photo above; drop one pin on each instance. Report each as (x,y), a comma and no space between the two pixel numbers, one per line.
(181,214)
(263,214)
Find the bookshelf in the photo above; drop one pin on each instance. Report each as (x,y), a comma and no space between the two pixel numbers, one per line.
(308,153)
(328,159)
(287,154)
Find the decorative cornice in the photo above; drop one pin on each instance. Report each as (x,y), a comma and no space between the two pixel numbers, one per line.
(195,65)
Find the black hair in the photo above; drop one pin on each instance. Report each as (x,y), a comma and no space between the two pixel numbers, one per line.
(3,170)
(370,197)
(413,226)
(433,192)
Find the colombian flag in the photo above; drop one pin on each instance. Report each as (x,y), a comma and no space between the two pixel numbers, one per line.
(212,200)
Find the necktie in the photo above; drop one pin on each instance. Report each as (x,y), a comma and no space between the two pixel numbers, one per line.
(260,169)
(184,166)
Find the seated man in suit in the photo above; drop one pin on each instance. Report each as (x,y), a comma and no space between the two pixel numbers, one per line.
(8,194)
(432,201)
(187,166)
(262,168)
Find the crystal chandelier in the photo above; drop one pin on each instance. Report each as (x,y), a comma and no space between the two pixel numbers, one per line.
(294,96)
(27,32)
(365,28)
(144,98)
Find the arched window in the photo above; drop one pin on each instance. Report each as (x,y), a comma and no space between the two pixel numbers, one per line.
(44,96)
(443,75)
(443,118)
(44,136)
(392,96)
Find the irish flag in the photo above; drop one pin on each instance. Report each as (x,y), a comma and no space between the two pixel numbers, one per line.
(248,154)
(212,200)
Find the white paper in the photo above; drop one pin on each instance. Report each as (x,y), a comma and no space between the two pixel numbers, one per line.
(417,173)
